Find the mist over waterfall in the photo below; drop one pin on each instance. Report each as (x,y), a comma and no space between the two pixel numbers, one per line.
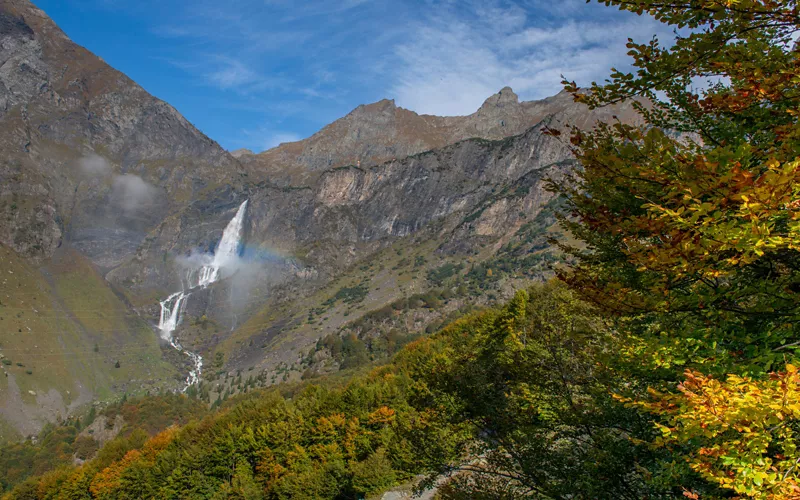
(210,270)
(227,250)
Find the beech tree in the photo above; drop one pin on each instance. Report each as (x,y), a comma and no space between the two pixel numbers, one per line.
(531,385)
(691,230)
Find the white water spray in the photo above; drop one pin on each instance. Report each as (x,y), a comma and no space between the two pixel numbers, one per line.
(226,253)
(227,250)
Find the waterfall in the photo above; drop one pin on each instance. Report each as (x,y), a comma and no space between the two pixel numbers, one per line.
(170,311)
(227,250)
(225,255)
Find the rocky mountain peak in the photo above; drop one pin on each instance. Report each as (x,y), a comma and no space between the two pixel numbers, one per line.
(504,97)
(238,153)
(382,131)
(382,106)
(367,115)
(60,105)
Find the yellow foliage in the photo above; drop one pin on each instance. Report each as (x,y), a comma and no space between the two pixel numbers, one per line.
(383,415)
(747,430)
(107,480)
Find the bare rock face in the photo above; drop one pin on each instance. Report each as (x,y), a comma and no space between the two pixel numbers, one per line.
(379,132)
(345,213)
(103,429)
(241,152)
(86,155)
(358,207)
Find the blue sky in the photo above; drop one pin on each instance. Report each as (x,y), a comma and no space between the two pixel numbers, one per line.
(254,73)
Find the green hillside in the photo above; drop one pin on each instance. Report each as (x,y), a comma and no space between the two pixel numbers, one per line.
(67,340)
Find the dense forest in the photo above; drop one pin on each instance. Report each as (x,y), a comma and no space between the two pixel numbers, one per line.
(661,364)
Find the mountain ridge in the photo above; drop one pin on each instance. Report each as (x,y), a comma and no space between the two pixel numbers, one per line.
(382,131)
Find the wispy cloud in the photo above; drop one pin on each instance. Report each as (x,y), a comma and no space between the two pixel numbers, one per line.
(264,138)
(455,58)
(230,74)
(278,139)
(318,8)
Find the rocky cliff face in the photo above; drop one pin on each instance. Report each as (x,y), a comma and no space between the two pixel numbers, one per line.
(345,212)
(88,157)
(379,132)
(464,198)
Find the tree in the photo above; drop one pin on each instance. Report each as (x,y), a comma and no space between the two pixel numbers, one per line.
(243,485)
(373,474)
(744,428)
(690,223)
(90,416)
(527,384)
(354,352)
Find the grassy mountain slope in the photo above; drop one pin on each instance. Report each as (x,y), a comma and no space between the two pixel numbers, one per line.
(64,332)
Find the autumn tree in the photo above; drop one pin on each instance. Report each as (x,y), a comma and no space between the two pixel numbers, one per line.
(530,383)
(690,225)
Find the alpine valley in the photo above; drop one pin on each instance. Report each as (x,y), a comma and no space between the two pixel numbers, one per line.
(138,256)
(589,296)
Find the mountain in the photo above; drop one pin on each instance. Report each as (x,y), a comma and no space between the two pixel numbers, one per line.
(377,228)
(241,152)
(337,230)
(89,164)
(382,131)
(336,207)
(79,136)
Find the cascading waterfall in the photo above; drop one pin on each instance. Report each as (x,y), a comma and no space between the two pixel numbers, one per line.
(170,311)
(226,253)
(227,250)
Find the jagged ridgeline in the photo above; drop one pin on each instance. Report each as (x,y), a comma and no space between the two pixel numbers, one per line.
(138,255)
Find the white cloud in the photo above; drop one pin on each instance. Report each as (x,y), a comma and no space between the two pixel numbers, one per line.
(272,141)
(454,59)
(94,166)
(132,193)
(231,74)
